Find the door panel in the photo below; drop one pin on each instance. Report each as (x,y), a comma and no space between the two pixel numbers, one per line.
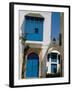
(35,68)
(29,68)
(32,66)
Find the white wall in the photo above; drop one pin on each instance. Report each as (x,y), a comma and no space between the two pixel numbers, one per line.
(4,44)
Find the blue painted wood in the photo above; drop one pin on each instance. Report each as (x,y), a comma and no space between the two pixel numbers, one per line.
(32,66)
(29,68)
(29,29)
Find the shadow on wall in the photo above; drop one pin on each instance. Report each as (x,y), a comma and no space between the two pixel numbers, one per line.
(43,66)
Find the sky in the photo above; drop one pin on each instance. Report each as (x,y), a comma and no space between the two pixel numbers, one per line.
(55,25)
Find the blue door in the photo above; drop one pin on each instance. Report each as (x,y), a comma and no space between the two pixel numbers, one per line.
(32,66)
(53,68)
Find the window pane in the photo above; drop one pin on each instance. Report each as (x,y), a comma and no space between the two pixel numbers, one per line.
(53,55)
(53,68)
(53,60)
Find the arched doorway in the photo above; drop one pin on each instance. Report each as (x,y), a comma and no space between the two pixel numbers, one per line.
(32,65)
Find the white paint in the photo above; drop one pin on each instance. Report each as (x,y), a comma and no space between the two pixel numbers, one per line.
(47,28)
(48,66)
(55,51)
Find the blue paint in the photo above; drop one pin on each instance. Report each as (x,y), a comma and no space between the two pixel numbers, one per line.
(32,66)
(29,29)
(29,68)
(55,25)
(53,68)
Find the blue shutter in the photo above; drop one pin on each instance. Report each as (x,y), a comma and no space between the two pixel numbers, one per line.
(30,26)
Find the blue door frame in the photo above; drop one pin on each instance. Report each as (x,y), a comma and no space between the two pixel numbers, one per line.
(32,65)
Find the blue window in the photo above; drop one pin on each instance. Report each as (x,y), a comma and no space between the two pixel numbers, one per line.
(33,28)
(53,68)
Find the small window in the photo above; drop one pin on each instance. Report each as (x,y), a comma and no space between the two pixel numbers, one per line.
(36,30)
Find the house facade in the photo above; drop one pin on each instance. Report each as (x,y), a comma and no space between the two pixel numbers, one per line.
(37,59)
